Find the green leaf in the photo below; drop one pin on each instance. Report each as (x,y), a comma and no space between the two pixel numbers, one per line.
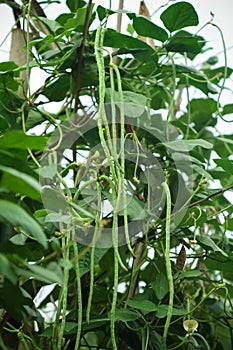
(179,16)
(13,214)
(73,5)
(202,110)
(227,109)
(53,199)
(163,309)
(209,244)
(19,182)
(215,261)
(125,315)
(52,273)
(143,305)
(17,139)
(8,66)
(10,160)
(134,103)
(117,40)
(185,42)
(146,28)
(84,261)
(187,145)
(40,274)
(6,269)
(3,123)
(226,164)
(160,286)
(103,12)
(77,22)
(52,25)
(58,89)
(14,301)
(34,118)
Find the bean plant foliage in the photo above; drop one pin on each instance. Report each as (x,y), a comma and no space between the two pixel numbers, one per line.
(115,208)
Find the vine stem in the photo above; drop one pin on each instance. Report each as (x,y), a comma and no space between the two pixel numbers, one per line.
(168,264)
(198,335)
(225,69)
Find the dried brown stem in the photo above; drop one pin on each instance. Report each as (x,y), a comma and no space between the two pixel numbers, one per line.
(118,28)
(80,57)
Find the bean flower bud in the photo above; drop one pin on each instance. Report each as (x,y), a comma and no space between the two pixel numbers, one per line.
(190,325)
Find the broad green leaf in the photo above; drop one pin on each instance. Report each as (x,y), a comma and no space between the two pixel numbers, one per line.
(143,305)
(208,243)
(146,28)
(226,164)
(125,315)
(134,103)
(52,199)
(78,21)
(48,171)
(102,12)
(57,90)
(160,286)
(105,12)
(187,145)
(34,118)
(52,25)
(73,5)
(70,326)
(179,15)
(197,78)
(214,75)
(63,18)
(204,85)
(216,261)
(185,42)
(84,261)
(117,40)
(7,81)
(135,208)
(17,139)
(227,109)
(163,309)
(133,97)
(14,300)
(40,274)
(13,214)
(19,182)
(7,270)
(11,161)
(202,110)
(7,66)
